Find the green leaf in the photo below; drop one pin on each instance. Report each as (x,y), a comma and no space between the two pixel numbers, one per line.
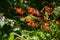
(41,34)
(56,11)
(46,15)
(22,19)
(33,16)
(21,1)
(48,35)
(11,36)
(28,16)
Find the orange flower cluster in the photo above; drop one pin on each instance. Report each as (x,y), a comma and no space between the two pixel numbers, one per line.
(33,11)
(31,23)
(20,11)
(46,27)
(48,9)
(29,9)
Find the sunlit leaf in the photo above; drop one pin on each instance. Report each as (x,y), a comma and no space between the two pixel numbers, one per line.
(11,37)
(42,35)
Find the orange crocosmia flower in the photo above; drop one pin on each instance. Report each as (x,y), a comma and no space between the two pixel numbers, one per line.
(29,20)
(33,24)
(45,18)
(48,9)
(30,9)
(46,24)
(36,25)
(20,11)
(37,14)
(46,27)
(33,12)
(29,24)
